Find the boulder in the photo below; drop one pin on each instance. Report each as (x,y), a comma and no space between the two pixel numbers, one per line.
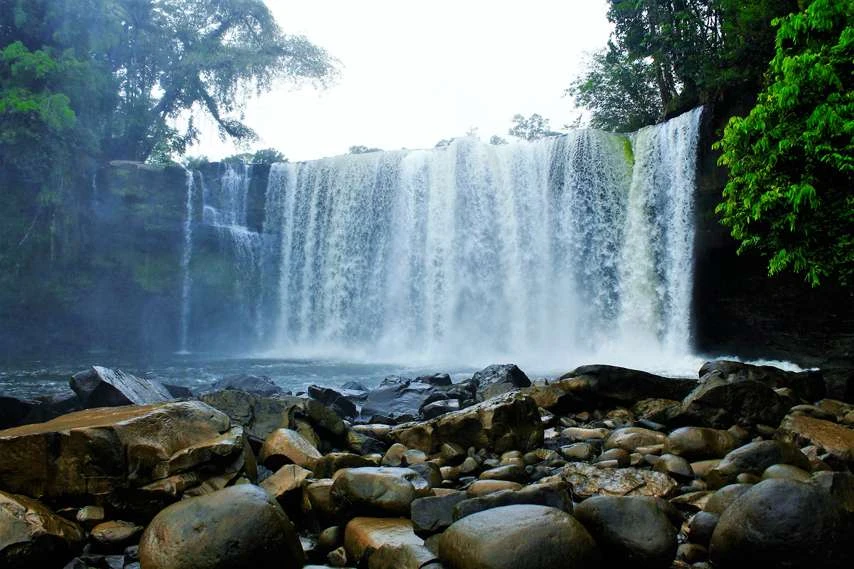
(437,408)
(364,535)
(588,480)
(836,440)
(201,533)
(754,458)
(631,438)
(105,387)
(518,537)
(13,411)
(286,483)
(782,523)
(396,398)
(554,494)
(33,536)
(259,415)
(631,531)
(506,422)
(603,383)
(720,402)
(377,490)
(256,384)
(698,443)
(115,535)
(285,446)
(497,379)
(332,462)
(335,400)
(118,452)
(432,514)
(807,385)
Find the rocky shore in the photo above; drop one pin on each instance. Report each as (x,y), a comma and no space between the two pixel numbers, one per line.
(742,467)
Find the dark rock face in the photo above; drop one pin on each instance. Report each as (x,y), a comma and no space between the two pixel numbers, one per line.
(518,537)
(200,533)
(335,400)
(604,383)
(257,384)
(783,523)
(631,531)
(433,514)
(553,495)
(104,387)
(808,385)
(720,402)
(33,536)
(396,398)
(497,379)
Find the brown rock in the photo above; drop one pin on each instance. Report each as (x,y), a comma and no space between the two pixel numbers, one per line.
(803,430)
(385,490)
(754,458)
(98,452)
(518,537)
(630,438)
(241,526)
(695,443)
(587,480)
(285,446)
(33,536)
(115,534)
(285,482)
(507,422)
(364,535)
(483,487)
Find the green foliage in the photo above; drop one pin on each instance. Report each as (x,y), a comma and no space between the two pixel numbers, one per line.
(791,160)
(265,156)
(496,140)
(530,128)
(666,56)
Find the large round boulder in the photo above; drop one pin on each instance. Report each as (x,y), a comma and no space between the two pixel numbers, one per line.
(33,536)
(782,523)
(240,526)
(518,537)
(633,531)
(378,490)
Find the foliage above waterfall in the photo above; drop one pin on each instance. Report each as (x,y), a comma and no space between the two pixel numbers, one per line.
(666,56)
(153,61)
(791,159)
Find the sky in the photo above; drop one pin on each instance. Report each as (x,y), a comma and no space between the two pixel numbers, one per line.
(413,73)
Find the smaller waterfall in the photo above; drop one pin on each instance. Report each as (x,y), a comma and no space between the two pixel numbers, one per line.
(186,257)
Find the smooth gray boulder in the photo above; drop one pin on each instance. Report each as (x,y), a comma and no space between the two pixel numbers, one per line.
(105,387)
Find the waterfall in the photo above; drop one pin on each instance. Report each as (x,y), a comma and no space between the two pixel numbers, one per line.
(564,250)
(546,251)
(186,257)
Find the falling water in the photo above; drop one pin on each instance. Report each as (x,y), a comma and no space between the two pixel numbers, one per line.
(549,252)
(186,257)
(541,251)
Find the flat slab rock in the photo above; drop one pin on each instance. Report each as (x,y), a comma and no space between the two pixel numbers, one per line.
(587,480)
(105,387)
(97,451)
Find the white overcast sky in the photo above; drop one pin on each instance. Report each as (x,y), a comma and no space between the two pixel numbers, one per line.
(415,72)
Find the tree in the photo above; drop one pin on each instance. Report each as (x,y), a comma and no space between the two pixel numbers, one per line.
(619,92)
(531,128)
(791,159)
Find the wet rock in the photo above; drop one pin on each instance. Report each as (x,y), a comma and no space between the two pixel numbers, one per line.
(318,502)
(702,526)
(437,379)
(594,384)
(433,514)
(587,480)
(438,408)
(840,487)
(578,451)
(518,537)
(256,384)
(116,452)
(259,415)
(377,490)
(506,422)
(115,535)
(179,391)
(807,385)
(724,497)
(497,379)
(396,398)
(697,443)
(664,411)
(630,438)
(484,487)
(13,411)
(33,536)
(619,456)
(335,400)
(105,387)
(364,535)
(754,458)
(719,402)
(406,556)
(284,446)
(552,494)
(675,466)
(511,472)
(631,531)
(201,533)
(285,484)
(332,462)
(782,523)
(836,440)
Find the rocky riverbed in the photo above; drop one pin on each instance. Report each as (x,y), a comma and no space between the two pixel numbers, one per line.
(743,466)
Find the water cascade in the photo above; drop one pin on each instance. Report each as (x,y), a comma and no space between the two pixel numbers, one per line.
(186,257)
(543,253)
